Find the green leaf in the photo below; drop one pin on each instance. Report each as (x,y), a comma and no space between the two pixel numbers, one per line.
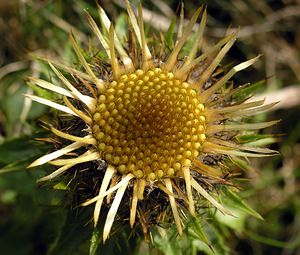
(248,90)
(165,240)
(8,197)
(170,34)
(94,243)
(73,234)
(16,166)
(121,27)
(217,239)
(237,202)
(44,93)
(60,186)
(196,229)
(272,242)
(241,163)
(188,46)
(262,142)
(248,138)
(11,151)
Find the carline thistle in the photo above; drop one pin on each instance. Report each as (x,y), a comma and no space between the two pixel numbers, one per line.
(153,118)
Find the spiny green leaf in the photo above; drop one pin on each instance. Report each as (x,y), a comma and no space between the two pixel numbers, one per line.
(121,26)
(170,34)
(246,91)
(196,229)
(238,202)
(188,46)
(60,186)
(243,164)
(253,137)
(94,243)
(43,92)
(11,151)
(19,165)
(272,242)
(216,237)
(72,235)
(262,142)
(165,240)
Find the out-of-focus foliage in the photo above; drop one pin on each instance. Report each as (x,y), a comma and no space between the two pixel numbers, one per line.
(38,220)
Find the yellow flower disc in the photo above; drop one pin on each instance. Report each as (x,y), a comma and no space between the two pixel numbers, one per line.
(149,124)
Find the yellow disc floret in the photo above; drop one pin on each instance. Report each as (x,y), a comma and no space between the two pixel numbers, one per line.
(149,124)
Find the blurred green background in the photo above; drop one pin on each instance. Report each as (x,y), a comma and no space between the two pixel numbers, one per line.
(32,218)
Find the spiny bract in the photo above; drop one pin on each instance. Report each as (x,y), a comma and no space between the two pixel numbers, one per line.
(153,118)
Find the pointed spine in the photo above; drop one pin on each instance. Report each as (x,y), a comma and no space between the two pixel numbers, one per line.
(46,158)
(174,206)
(51,104)
(204,193)
(146,55)
(68,69)
(134,204)
(85,140)
(113,210)
(49,86)
(110,171)
(181,23)
(126,179)
(124,56)
(56,173)
(207,73)
(209,92)
(88,101)
(78,113)
(198,41)
(98,33)
(209,147)
(169,65)
(78,160)
(140,33)
(248,126)
(184,70)
(187,178)
(86,66)
(114,60)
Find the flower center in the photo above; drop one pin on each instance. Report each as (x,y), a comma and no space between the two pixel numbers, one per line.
(149,124)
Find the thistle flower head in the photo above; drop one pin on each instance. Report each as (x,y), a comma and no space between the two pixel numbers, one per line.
(152,118)
(150,124)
